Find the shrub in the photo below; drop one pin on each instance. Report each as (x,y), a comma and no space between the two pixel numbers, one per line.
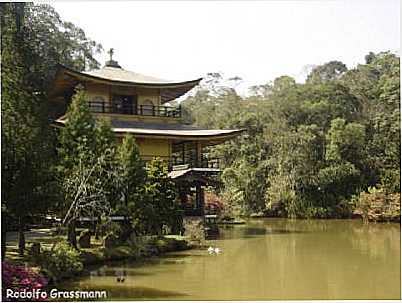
(19,278)
(378,205)
(61,261)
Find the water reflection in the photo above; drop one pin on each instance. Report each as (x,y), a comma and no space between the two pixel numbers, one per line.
(269,259)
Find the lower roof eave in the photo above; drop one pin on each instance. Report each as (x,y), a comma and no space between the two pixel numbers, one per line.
(177,174)
(165,134)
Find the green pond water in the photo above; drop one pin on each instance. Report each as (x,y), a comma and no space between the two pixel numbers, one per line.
(267,259)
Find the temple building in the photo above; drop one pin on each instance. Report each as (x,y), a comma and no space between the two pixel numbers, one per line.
(136,104)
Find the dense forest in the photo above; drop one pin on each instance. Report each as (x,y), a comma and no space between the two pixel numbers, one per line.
(327,148)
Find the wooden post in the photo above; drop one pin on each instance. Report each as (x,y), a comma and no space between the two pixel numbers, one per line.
(198,161)
(199,198)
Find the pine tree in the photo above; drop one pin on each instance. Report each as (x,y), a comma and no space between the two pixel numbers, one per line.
(85,164)
(131,176)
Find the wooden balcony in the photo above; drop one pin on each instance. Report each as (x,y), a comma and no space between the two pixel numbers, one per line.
(140,110)
(178,164)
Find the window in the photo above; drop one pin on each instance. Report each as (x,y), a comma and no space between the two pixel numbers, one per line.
(123,104)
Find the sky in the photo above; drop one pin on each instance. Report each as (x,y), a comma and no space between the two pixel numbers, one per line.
(255,40)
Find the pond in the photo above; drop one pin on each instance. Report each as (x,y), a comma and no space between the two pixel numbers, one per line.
(267,259)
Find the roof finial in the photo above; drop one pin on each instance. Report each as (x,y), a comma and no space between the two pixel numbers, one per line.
(111,62)
(111,52)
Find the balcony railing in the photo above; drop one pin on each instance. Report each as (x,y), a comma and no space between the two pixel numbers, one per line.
(141,110)
(179,164)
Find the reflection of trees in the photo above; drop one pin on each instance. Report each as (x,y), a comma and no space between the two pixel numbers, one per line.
(320,259)
(378,240)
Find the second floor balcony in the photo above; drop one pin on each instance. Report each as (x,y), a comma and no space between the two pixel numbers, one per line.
(132,109)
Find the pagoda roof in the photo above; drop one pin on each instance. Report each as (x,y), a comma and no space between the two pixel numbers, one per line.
(168,130)
(120,74)
(112,75)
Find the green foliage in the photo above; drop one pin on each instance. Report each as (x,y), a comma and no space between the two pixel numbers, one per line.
(158,208)
(56,41)
(87,169)
(345,141)
(61,261)
(131,173)
(27,141)
(78,137)
(307,148)
(330,71)
(378,205)
(34,39)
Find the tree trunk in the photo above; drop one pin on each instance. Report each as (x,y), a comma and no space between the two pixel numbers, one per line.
(72,235)
(21,237)
(98,228)
(3,236)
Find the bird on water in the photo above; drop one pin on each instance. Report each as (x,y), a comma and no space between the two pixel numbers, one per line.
(215,250)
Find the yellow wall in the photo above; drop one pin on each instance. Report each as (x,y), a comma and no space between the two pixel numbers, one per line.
(97,90)
(150,148)
(105,91)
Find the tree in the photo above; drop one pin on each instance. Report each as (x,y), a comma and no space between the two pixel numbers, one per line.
(307,148)
(130,179)
(132,172)
(327,72)
(26,149)
(34,39)
(57,42)
(159,207)
(85,170)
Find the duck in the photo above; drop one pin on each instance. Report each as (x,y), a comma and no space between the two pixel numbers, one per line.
(120,276)
(215,250)
(120,279)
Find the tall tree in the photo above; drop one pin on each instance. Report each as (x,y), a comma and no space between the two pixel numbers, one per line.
(26,149)
(85,171)
(308,148)
(130,180)
(327,72)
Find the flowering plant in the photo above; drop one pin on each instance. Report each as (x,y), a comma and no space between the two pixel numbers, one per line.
(20,278)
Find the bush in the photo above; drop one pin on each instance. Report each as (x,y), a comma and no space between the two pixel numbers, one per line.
(378,205)
(61,261)
(19,278)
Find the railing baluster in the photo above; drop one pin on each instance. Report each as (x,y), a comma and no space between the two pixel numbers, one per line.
(154,110)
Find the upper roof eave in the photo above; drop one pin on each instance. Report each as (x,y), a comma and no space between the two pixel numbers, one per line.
(129,83)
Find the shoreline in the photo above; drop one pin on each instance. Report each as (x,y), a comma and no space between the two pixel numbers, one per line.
(96,257)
